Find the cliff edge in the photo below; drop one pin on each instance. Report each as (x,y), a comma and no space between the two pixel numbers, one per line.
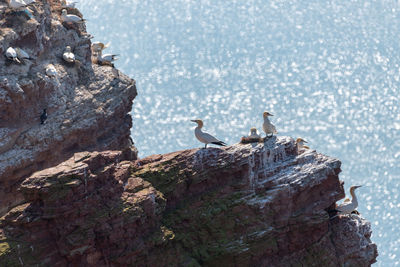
(243,205)
(87,104)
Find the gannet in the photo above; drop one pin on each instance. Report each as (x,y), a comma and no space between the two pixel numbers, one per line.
(106,59)
(300,143)
(98,47)
(16,4)
(51,70)
(254,133)
(268,127)
(43,117)
(347,207)
(70,17)
(205,137)
(68,56)
(11,54)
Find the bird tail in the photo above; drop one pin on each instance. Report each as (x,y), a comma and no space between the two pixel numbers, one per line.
(220,143)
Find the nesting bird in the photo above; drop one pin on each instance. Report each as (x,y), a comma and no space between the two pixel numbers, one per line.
(11,54)
(106,59)
(205,137)
(51,70)
(98,47)
(347,207)
(70,17)
(268,127)
(254,133)
(17,4)
(68,56)
(300,143)
(43,117)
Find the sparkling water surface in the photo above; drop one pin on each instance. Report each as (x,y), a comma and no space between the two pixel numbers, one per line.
(328,70)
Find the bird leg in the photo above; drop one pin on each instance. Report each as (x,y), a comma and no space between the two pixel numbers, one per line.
(205,146)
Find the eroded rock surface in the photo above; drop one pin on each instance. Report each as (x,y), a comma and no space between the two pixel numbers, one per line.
(87,104)
(243,205)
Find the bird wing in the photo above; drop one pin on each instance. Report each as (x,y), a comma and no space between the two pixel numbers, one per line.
(346,207)
(209,138)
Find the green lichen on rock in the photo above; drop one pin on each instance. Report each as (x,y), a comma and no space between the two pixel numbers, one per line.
(163,179)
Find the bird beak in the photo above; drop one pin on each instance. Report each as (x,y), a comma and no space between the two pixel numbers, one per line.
(270,114)
(193,120)
(305,141)
(358,186)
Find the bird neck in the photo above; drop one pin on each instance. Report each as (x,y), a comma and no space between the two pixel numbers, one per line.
(353,196)
(266,119)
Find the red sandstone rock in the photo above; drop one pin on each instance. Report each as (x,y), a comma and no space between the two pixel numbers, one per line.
(243,205)
(87,104)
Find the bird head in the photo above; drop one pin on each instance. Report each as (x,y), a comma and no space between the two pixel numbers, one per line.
(300,141)
(64,12)
(199,122)
(355,187)
(266,114)
(67,48)
(253,130)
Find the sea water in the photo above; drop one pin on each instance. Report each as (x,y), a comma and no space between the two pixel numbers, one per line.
(328,70)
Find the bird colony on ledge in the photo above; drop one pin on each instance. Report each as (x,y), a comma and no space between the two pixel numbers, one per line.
(24,10)
(347,207)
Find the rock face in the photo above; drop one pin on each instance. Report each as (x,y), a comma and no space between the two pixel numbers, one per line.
(87,104)
(243,205)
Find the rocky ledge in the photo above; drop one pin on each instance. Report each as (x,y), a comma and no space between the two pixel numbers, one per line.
(87,104)
(243,205)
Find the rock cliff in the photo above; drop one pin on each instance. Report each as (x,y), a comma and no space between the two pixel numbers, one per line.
(87,104)
(243,205)
(260,204)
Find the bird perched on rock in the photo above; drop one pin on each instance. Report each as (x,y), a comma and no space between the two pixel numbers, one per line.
(43,117)
(300,143)
(254,133)
(268,127)
(70,17)
(11,54)
(51,70)
(17,4)
(205,137)
(347,207)
(68,56)
(106,59)
(98,47)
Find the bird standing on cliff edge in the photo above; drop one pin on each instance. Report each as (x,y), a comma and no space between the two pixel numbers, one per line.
(300,143)
(70,17)
(205,137)
(347,207)
(268,127)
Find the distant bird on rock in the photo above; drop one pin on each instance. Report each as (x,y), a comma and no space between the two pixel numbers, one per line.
(11,54)
(43,117)
(254,133)
(205,137)
(70,17)
(106,59)
(17,4)
(51,70)
(300,143)
(347,207)
(268,127)
(98,47)
(68,56)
